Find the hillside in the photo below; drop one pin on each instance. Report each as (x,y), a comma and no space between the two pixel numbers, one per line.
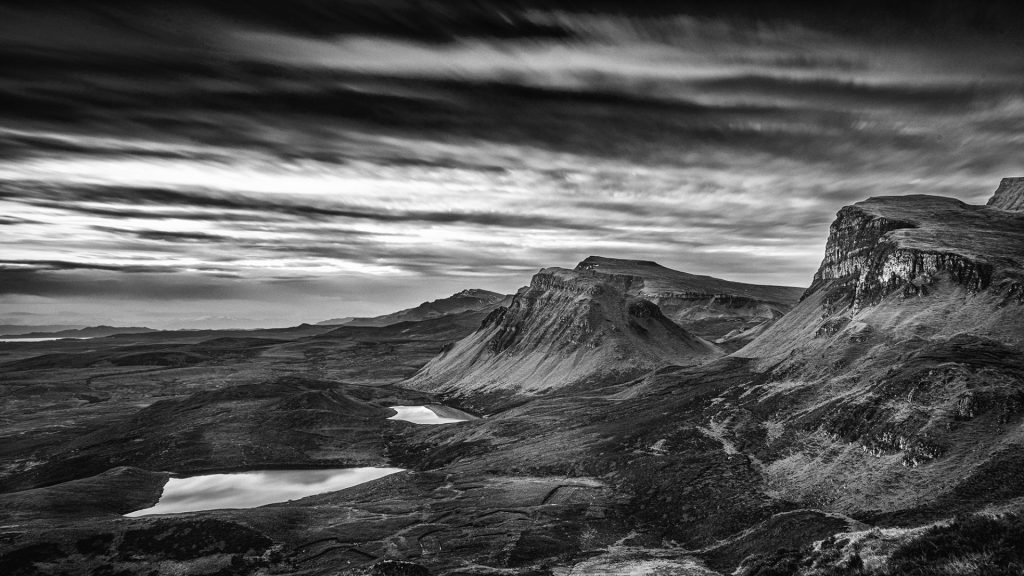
(730,313)
(86,332)
(905,356)
(472,300)
(568,327)
(1009,195)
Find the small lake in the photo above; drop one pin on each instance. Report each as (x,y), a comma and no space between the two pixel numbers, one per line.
(251,489)
(430,414)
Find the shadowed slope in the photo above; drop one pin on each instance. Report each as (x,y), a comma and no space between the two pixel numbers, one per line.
(568,327)
(725,311)
(900,376)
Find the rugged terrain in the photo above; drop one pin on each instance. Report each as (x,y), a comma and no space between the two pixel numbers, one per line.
(1009,195)
(876,428)
(729,313)
(568,328)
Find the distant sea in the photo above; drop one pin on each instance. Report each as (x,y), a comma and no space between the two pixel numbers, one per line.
(39,339)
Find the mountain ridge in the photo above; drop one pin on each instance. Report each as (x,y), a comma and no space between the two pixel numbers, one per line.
(470,299)
(566,328)
(84,332)
(886,242)
(725,312)
(907,347)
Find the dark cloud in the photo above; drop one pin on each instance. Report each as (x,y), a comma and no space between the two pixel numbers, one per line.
(458,19)
(98,282)
(63,265)
(165,200)
(165,236)
(200,155)
(841,93)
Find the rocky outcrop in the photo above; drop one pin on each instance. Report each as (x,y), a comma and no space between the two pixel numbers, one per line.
(904,359)
(716,309)
(906,243)
(1009,195)
(567,327)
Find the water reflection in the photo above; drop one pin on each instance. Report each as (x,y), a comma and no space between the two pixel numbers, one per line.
(428,415)
(250,489)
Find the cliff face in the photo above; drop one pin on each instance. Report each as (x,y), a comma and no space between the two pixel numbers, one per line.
(726,312)
(1009,195)
(888,255)
(905,244)
(566,328)
(904,356)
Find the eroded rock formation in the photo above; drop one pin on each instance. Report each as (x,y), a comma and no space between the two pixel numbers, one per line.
(905,243)
(728,313)
(567,327)
(1009,195)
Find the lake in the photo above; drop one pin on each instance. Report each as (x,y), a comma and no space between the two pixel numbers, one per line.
(256,488)
(430,414)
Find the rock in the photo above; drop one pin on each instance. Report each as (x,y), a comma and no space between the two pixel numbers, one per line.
(568,327)
(1009,195)
(885,244)
(904,357)
(398,568)
(712,308)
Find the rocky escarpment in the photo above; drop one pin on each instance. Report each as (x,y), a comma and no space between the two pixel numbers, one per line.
(568,327)
(720,310)
(1009,195)
(903,358)
(906,244)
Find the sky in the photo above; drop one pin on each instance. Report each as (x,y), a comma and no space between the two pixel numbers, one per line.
(248,164)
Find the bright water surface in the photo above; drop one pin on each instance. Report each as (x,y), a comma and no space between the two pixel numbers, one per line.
(251,489)
(423,415)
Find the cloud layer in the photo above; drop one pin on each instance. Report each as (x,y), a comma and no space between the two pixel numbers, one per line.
(228,166)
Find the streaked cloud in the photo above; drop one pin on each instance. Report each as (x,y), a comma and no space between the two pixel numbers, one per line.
(352,165)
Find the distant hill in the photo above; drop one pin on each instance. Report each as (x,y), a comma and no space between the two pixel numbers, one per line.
(729,313)
(88,332)
(465,301)
(21,329)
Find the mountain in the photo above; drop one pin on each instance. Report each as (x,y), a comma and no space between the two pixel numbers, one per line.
(1009,195)
(877,428)
(17,329)
(900,375)
(568,327)
(729,313)
(87,332)
(606,319)
(467,300)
